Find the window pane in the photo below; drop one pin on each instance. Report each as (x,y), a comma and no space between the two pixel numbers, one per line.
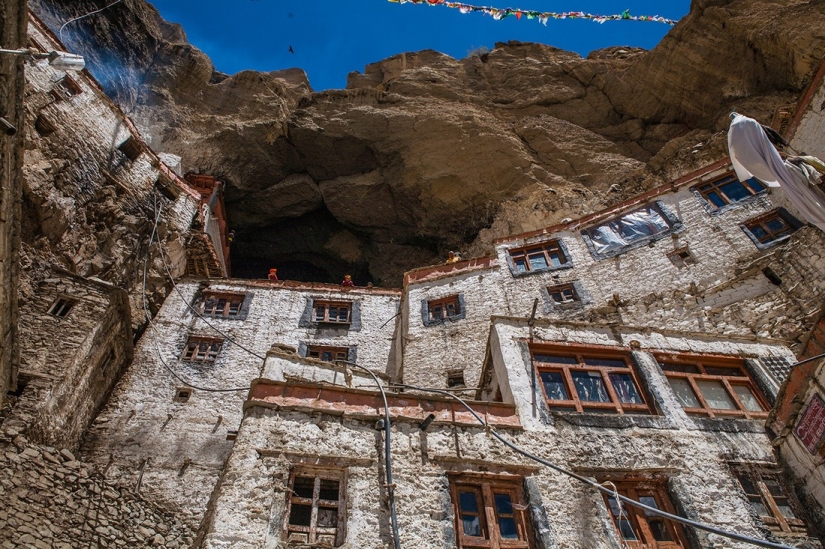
(304,487)
(627,530)
(684,368)
(327,517)
(756,185)
(554,386)
(300,515)
(555,359)
(776,224)
(785,508)
(747,398)
(319,313)
(471,525)
(537,261)
(590,386)
(467,502)
(555,259)
(684,392)
(343,314)
(504,506)
(612,362)
(329,490)
(716,395)
(759,507)
(521,265)
(650,501)
(734,371)
(659,529)
(625,389)
(758,232)
(507,528)
(747,484)
(437,312)
(715,199)
(735,191)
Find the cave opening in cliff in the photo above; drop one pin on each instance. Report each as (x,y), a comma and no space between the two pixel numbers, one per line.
(314,247)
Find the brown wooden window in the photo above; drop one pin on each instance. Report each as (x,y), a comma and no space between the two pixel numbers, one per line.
(768,497)
(542,256)
(202,349)
(221,304)
(441,309)
(131,148)
(66,88)
(639,528)
(61,307)
(728,190)
(563,294)
(489,512)
(315,508)
(338,312)
(713,386)
(588,381)
(681,258)
(769,227)
(327,353)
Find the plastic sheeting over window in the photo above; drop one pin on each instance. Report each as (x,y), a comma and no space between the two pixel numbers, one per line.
(623,231)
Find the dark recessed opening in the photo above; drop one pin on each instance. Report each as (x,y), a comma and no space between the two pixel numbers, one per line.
(131,148)
(166,190)
(455,379)
(42,126)
(772,276)
(182,394)
(61,307)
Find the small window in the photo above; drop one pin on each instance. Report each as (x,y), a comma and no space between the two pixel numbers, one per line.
(231,435)
(772,227)
(489,512)
(327,353)
(728,190)
(638,528)
(713,387)
(107,362)
(131,148)
(769,499)
(62,306)
(443,309)
(588,381)
(641,225)
(455,378)
(541,257)
(66,88)
(563,294)
(315,508)
(221,304)
(42,126)
(335,312)
(182,394)
(681,258)
(167,190)
(202,349)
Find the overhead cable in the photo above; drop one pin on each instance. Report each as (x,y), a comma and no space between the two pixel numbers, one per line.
(601,488)
(60,32)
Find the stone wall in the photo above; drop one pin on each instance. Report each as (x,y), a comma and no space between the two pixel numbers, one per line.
(69,363)
(724,292)
(696,457)
(13,19)
(179,447)
(50,499)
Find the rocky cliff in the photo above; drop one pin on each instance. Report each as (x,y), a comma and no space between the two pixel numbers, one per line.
(423,153)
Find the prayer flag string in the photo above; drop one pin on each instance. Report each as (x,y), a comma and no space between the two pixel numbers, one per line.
(543,16)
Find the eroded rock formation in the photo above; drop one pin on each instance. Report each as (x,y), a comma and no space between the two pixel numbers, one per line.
(423,153)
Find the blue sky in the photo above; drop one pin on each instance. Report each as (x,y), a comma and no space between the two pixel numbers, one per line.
(331,39)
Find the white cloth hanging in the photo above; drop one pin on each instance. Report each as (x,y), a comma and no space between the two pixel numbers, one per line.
(753,155)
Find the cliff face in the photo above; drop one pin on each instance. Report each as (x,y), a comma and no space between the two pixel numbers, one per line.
(423,153)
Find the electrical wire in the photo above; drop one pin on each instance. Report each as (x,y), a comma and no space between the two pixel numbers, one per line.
(807,360)
(60,31)
(387,452)
(601,488)
(152,324)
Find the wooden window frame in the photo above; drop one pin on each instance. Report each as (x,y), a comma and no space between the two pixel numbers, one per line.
(192,352)
(443,305)
(560,289)
(327,305)
(681,257)
(62,306)
(546,249)
(639,521)
(319,350)
(312,531)
(573,402)
(770,236)
(728,381)
(776,521)
(708,188)
(132,148)
(66,88)
(211,304)
(485,487)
